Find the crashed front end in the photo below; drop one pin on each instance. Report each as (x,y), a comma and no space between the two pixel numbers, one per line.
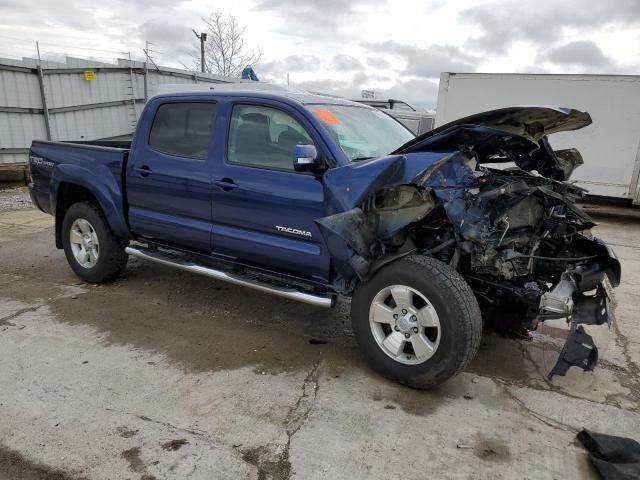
(516,236)
(526,249)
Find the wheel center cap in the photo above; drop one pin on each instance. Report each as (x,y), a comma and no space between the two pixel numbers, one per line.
(404,325)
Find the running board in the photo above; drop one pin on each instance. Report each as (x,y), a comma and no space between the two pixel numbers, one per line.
(290,293)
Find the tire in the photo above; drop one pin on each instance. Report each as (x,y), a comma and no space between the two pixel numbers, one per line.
(447,317)
(109,258)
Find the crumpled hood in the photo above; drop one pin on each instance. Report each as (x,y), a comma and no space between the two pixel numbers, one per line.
(531,122)
(519,132)
(347,187)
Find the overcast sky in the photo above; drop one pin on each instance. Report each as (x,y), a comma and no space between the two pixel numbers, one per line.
(397,49)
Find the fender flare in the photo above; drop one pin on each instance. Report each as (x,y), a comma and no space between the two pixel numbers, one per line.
(104,187)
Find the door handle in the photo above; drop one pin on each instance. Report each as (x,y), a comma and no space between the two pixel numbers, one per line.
(144,170)
(226,184)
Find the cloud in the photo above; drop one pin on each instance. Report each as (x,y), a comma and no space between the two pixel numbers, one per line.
(317,18)
(419,93)
(428,62)
(290,64)
(378,62)
(500,24)
(172,39)
(582,53)
(345,63)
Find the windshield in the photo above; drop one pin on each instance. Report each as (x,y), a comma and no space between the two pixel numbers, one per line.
(362,132)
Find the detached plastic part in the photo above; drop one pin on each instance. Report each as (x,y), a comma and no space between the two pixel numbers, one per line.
(578,351)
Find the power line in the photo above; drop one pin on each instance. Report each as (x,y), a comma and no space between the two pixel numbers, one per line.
(46,48)
(119,52)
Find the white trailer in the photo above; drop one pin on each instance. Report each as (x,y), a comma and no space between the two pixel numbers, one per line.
(610,146)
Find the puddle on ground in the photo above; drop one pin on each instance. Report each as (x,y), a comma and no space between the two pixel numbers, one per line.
(13,465)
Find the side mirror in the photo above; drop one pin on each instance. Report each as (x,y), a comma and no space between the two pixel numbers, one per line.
(306,158)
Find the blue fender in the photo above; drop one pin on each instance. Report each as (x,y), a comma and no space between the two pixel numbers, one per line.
(102,183)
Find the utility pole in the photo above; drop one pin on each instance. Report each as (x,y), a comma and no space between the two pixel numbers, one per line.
(146,72)
(203,38)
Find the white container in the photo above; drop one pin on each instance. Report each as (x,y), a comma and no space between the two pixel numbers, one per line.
(610,146)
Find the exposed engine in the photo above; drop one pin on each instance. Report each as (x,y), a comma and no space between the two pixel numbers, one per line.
(520,242)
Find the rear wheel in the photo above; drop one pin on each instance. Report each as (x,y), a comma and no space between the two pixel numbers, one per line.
(417,321)
(94,253)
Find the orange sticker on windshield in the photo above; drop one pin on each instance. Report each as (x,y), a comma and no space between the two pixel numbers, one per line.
(327,117)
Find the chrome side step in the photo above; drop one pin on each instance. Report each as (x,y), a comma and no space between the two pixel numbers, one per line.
(317,300)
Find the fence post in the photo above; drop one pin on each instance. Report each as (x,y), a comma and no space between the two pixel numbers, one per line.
(45,110)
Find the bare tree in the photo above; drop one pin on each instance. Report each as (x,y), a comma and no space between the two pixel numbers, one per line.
(225,52)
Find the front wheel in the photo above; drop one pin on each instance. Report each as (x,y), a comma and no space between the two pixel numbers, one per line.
(94,253)
(417,321)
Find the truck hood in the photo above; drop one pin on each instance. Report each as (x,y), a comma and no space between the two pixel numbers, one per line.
(436,158)
(531,122)
(520,133)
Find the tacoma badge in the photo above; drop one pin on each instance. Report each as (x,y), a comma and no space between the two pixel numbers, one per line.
(295,231)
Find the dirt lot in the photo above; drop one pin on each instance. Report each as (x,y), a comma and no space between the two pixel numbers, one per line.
(165,374)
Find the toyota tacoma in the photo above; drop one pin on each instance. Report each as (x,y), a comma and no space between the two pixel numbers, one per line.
(310,197)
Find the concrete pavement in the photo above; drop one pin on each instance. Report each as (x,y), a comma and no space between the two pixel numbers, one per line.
(164,374)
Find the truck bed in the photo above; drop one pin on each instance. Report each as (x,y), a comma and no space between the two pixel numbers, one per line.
(96,165)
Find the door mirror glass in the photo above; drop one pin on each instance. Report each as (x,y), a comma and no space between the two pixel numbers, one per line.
(306,158)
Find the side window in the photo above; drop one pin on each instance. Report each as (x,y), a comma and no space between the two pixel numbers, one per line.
(183,129)
(264,137)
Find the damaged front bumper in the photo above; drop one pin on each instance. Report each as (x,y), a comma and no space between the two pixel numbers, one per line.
(569,300)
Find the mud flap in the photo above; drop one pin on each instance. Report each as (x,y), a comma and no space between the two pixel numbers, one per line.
(578,351)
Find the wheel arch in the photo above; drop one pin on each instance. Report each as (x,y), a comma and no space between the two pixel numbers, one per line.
(69,193)
(71,184)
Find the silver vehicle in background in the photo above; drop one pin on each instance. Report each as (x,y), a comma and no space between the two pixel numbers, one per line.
(416,121)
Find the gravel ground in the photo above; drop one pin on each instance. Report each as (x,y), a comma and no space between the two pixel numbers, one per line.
(14,198)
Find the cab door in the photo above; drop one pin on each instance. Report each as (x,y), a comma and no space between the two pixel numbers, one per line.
(169,175)
(264,211)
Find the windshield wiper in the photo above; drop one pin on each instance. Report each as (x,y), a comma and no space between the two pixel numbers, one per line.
(358,159)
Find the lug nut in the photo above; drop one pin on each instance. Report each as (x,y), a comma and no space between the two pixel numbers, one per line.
(406,335)
(415,329)
(404,312)
(396,328)
(413,318)
(395,316)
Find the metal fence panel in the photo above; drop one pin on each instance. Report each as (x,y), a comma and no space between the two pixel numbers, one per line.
(79,109)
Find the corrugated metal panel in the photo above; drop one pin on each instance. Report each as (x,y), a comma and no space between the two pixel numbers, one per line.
(18,129)
(91,124)
(20,89)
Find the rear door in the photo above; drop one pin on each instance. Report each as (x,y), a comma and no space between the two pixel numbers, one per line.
(169,175)
(264,211)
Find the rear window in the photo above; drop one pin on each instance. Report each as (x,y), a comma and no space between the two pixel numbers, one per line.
(183,129)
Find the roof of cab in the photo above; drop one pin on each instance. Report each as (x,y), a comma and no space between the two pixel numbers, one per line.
(264,90)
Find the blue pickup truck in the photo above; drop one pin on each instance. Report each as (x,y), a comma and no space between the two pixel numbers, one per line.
(309,197)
